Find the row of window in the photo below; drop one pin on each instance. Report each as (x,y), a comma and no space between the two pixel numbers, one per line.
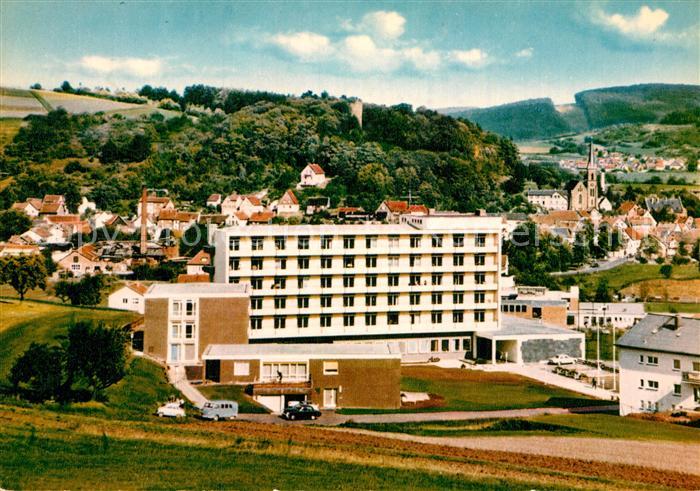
(654,361)
(513,308)
(326,301)
(393,280)
(370,319)
(654,385)
(371,241)
(186,307)
(327,262)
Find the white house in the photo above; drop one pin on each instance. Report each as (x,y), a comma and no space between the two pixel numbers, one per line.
(129,297)
(86,205)
(312,176)
(197,264)
(288,204)
(30,208)
(548,199)
(660,365)
(214,200)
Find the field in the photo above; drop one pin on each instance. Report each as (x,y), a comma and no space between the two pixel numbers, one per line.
(663,289)
(8,129)
(474,390)
(18,103)
(668,307)
(579,425)
(623,276)
(82,104)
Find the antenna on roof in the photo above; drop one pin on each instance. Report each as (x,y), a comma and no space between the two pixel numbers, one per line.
(410,197)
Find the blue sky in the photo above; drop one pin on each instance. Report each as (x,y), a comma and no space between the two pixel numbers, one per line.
(434,54)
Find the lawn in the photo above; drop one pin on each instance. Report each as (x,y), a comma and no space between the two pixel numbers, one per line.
(233,393)
(670,307)
(22,323)
(606,344)
(583,425)
(475,390)
(627,274)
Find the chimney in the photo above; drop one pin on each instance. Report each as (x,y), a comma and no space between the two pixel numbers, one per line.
(144,231)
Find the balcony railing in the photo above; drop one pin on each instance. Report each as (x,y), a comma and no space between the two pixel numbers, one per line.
(692,377)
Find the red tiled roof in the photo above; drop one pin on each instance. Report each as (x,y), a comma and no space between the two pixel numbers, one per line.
(316,169)
(254,200)
(633,234)
(35,202)
(139,288)
(187,216)
(289,197)
(350,209)
(261,217)
(418,209)
(626,206)
(88,250)
(22,206)
(54,198)
(202,258)
(397,206)
(67,219)
(19,247)
(50,207)
(241,215)
(193,278)
(168,214)
(214,197)
(158,199)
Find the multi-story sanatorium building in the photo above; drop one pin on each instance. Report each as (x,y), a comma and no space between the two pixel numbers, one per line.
(428,284)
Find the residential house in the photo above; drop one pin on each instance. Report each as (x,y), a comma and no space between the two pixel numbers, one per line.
(84,260)
(621,315)
(154,205)
(655,204)
(199,262)
(312,176)
(390,211)
(129,297)
(213,200)
(288,204)
(547,199)
(660,365)
(193,278)
(31,207)
(261,218)
(317,204)
(10,249)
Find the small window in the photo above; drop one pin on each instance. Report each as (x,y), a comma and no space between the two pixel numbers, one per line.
(676,389)
(325,320)
(303,321)
(676,364)
(371,319)
(393,318)
(303,242)
(348,320)
(256,323)
(241,368)
(330,368)
(652,360)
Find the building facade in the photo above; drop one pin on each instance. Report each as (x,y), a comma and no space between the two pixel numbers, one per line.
(329,375)
(429,283)
(548,199)
(621,315)
(182,319)
(660,365)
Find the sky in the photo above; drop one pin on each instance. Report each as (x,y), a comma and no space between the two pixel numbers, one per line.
(434,54)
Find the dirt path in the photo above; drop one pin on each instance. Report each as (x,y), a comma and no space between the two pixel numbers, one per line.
(669,456)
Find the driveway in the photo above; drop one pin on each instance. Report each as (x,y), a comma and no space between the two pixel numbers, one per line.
(544,374)
(602,266)
(331,418)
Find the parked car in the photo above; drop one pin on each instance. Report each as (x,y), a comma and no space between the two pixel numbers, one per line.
(562,360)
(301,411)
(171,410)
(216,410)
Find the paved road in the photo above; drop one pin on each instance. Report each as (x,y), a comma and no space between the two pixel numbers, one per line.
(601,267)
(544,374)
(670,456)
(330,418)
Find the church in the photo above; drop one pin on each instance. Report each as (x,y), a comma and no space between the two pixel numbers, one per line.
(583,195)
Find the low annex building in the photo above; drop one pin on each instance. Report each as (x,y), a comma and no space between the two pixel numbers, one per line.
(330,375)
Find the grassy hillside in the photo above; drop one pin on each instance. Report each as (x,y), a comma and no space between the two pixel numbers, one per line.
(646,103)
(524,120)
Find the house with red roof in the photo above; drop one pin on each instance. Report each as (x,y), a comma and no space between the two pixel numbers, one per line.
(312,176)
(391,210)
(288,204)
(200,261)
(129,297)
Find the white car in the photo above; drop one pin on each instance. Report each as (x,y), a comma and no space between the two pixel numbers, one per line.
(562,360)
(171,410)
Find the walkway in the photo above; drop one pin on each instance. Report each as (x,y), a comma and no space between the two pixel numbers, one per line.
(331,418)
(178,378)
(669,456)
(603,266)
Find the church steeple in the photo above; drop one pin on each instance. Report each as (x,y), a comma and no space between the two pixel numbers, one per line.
(591,180)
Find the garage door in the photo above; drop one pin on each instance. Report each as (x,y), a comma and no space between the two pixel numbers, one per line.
(273,403)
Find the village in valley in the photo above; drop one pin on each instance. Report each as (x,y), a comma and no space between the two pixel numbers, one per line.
(250,288)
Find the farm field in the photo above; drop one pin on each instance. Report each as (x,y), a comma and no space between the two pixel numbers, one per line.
(670,307)
(475,390)
(86,452)
(667,290)
(80,103)
(576,425)
(18,103)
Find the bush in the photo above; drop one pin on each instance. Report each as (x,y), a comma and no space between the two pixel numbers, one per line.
(666,270)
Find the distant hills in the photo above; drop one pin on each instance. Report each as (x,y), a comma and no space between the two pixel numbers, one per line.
(597,108)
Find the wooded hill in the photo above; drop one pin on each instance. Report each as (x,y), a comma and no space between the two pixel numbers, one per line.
(235,141)
(597,108)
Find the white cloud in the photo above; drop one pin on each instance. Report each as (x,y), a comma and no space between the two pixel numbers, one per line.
(525,53)
(382,24)
(422,60)
(472,58)
(307,46)
(645,23)
(136,67)
(363,55)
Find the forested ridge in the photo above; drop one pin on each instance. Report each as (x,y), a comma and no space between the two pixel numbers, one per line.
(236,141)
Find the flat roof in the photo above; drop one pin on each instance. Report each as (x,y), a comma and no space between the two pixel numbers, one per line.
(310,351)
(534,301)
(611,308)
(195,289)
(514,327)
(657,333)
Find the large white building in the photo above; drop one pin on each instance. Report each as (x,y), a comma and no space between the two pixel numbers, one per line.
(548,199)
(621,315)
(429,283)
(660,365)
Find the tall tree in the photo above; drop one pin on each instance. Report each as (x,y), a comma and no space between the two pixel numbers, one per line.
(13,222)
(23,273)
